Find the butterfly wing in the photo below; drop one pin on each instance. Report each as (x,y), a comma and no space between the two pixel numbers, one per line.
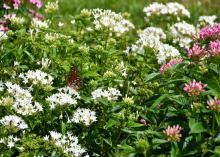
(74,79)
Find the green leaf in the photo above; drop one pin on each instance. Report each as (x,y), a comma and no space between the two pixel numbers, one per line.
(180,99)
(157,141)
(110,123)
(217,118)
(196,127)
(29,55)
(133,124)
(160,99)
(151,76)
(174,150)
(108,142)
(63,128)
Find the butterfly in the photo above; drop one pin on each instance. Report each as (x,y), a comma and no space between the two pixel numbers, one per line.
(74,81)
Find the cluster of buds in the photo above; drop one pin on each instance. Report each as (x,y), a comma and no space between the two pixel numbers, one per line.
(170,64)
(214,104)
(209,32)
(173,133)
(214,48)
(194,88)
(196,52)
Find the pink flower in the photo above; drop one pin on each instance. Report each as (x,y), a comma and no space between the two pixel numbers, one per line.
(194,88)
(6,7)
(196,52)
(173,133)
(3,29)
(9,16)
(170,64)
(210,32)
(38,3)
(36,15)
(214,48)
(214,104)
(16,4)
(142,121)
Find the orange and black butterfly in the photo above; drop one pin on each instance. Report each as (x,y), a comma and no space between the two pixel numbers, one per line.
(74,80)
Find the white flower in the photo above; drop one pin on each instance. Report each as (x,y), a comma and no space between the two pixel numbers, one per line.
(17,20)
(111,21)
(110,93)
(1,86)
(84,116)
(128,100)
(45,63)
(207,20)
(52,37)
(73,21)
(3,36)
(37,77)
(171,8)
(60,24)
(9,141)
(182,33)
(166,52)
(150,37)
(51,7)
(66,96)
(23,100)
(38,24)
(67,142)
(13,122)
(27,107)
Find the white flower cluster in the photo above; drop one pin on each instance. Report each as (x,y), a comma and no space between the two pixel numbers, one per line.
(182,33)
(151,37)
(156,32)
(107,19)
(85,116)
(66,96)
(207,20)
(110,93)
(68,143)
(3,35)
(51,37)
(171,8)
(17,20)
(9,141)
(122,69)
(38,24)
(166,52)
(13,122)
(6,101)
(23,100)
(37,77)
(45,63)
(1,86)
(51,7)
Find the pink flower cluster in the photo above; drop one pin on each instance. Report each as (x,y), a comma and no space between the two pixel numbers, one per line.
(209,32)
(196,52)
(173,133)
(194,88)
(16,4)
(214,104)
(214,48)
(2,27)
(170,64)
(38,3)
